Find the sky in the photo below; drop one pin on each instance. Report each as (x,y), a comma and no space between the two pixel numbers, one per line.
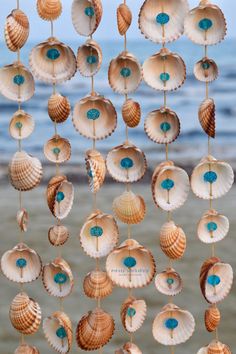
(107,29)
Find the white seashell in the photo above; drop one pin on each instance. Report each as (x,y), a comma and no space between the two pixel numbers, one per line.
(57,149)
(96,169)
(22,219)
(26,349)
(16,30)
(89,58)
(133,313)
(49,10)
(129,348)
(212,227)
(64,200)
(169,282)
(206,70)
(21,125)
(97,284)
(86,16)
(58,235)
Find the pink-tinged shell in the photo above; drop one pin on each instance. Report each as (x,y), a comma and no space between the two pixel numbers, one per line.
(129,348)
(124,18)
(22,219)
(131,113)
(172,240)
(58,108)
(97,285)
(212,236)
(206,116)
(89,48)
(86,25)
(16,30)
(62,152)
(212,318)
(26,349)
(58,235)
(167,287)
(49,10)
(215,347)
(206,70)
(133,321)
(96,169)
(26,125)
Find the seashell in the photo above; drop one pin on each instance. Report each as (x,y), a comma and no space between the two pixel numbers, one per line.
(25,314)
(58,331)
(206,70)
(49,10)
(22,219)
(57,149)
(126,163)
(205,24)
(162,126)
(212,318)
(21,264)
(58,278)
(173,325)
(26,349)
(58,235)
(216,347)
(129,348)
(89,58)
(163,21)
(172,240)
(133,313)
(164,71)
(206,116)
(94,117)
(212,227)
(170,186)
(21,125)
(124,18)
(16,30)
(58,108)
(211,178)
(52,188)
(86,16)
(52,61)
(131,257)
(124,73)
(97,285)
(25,171)
(129,208)
(96,169)
(16,82)
(169,282)
(131,113)
(95,329)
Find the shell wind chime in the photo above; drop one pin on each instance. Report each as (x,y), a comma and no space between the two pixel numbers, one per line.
(205,25)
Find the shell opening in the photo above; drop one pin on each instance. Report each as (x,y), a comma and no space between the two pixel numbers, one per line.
(162,18)
(171,323)
(96,231)
(93,114)
(89,11)
(125,72)
(210,177)
(213,280)
(53,54)
(130,262)
(60,278)
(205,24)
(126,163)
(167,184)
(18,79)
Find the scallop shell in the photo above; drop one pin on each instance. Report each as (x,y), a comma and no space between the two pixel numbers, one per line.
(96,169)
(58,235)
(21,264)
(94,117)
(213,227)
(126,163)
(162,126)
(22,219)
(25,171)
(124,18)
(170,186)
(129,208)
(16,30)
(58,108)
(89,58)
(95,329)
(133,313)
(173,325)
(211,178)
(58,331)
(206,70)
(172,240)
(215,347)
(52,61)
(129,348)
(131,257)
(212,318)
(57,149)
(49,10)
(86,16)
(131,113)
(52,188)
(169,282)
(16,82)
(26,349)
(97,284)
(124,73)
(206,116)
(205,24)
(99,234)
(163,21)
(21,125)
(25,314)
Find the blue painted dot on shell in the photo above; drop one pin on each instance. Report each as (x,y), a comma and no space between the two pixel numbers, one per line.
(18,125)
(18,80)
(89,11)
(165,126)
(21,263)
(60,278)
(131,312)
(60,197)
(96,231)
(170,281)
(205,24)
(164,77)
(171,323)
(53,54)
(93,114)
(213,280)
(130,262)
(167,184)
(211,226)
(91,59)
(125,72)
(61,332)
(56,150)
(210,177)
(206,65)
(126,163)
(162,18)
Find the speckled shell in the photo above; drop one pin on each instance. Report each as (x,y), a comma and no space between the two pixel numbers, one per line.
(49,10)
(96,169)
(220,225)
(57,142)
(97,284)
(206,70)
(128,348)
(169,282)
(133,321)
(95,329)
(84,24)
(97,128)
(22,219)
(172,240)
(58,235)
(168,32)
(25,314)
(118,155)
(124,18)
(206,116)
(124,84)
(212,318)
(21,125)
(129,208)
(50,326)
(105,237)
(164,63)
(53,71)
(26,349)
(131,113)
(181,333)
(25,171)
(162,126)
(90,49)
(58,108)
(219,187)
(16,30)
(144,266)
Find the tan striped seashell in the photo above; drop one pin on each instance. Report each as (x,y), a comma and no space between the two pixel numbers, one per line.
(131,257)
(124,73)
(95,329)
(16,30)
(128,348)
(25,314)
(26,349)
(22,219)
(86,16)
(206,116)
(124,18)
(58,108)
(162,126)
(129,208)
(206,70)
(21,125)
(133,313)
(164,71)
(169,282)
(212,318)
(57,149)
(212,227)
(172,240)
(96,169)
(25,171)
(89,58)
(58,331)
(131,113)
(52,188)
(49,10)
(216,347)
(97,284)
(58,235)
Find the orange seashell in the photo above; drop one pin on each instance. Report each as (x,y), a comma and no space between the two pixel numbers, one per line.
(58,108)
(26,349)
(131,113)
(206,115)
(57,149)
(89,58)
(96,169)
(49,10)
(216,347)
(58,235)
(172,240)
(212,318)
(52,188)
(16,30)
(22,218)
(97,284)
(124,18)
(133,313)
(128,348)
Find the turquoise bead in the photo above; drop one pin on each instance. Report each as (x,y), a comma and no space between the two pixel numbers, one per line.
(60,197)
(96,231)
(206,65)
(91,59)
(93,114)
(171,323)
(205,24)
(165,126)
(131,312)
(18,125)
(18,80)
(211,226)
(130,262)
(170,281)
(56,151)
(60,278)
(53,54)
(89,11)
(126,163)
(213,280)
(125,72)
(21,263)
(90,173)
(164,77)
(61,333)
(167,184)
(162,18)
(210,177)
